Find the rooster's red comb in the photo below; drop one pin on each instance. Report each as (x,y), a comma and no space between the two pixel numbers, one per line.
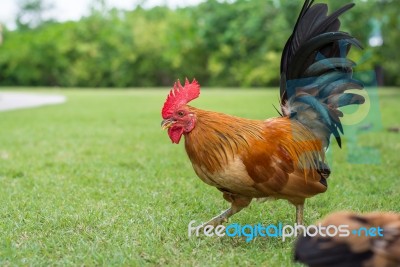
(180,96)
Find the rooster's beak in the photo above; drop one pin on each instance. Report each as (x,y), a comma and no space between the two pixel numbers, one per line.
(167,123)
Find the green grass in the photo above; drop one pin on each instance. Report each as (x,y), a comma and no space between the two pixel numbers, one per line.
(96,181)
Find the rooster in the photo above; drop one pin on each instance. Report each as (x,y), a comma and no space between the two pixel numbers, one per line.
(378,247)
(282,157)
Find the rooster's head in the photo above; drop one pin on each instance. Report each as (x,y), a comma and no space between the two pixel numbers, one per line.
(177,117)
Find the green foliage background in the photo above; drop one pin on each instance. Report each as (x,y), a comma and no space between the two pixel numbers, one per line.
(221,43)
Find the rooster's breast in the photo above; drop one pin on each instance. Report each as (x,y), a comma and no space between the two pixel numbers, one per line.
(232,177)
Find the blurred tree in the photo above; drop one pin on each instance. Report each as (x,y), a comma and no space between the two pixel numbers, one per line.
(221,43)
(30,13)
(1,33)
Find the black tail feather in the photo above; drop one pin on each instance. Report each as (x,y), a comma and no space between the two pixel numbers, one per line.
(315,72)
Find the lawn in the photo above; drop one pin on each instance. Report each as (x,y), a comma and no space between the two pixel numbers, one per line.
(96,181)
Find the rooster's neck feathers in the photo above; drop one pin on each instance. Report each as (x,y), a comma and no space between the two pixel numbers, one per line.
(217,137)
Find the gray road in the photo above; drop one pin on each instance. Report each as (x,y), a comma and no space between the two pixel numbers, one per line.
(10,101)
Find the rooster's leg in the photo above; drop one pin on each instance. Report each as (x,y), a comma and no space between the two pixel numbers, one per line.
(299,214)
(221,218)
(237,204)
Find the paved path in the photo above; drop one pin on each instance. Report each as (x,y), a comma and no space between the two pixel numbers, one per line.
(9,101)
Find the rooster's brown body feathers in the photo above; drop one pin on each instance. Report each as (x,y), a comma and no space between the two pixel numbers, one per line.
(252,158)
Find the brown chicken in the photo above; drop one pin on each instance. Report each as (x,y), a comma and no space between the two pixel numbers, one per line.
(282,157)
(376,247)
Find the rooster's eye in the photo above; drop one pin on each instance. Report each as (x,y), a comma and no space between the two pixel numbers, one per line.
(180,113)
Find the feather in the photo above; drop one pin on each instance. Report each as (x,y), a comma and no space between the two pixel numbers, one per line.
(350,99)
(328,64)
(306,50)
(315,72)
(317,106)
(339,86)
(331,23)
